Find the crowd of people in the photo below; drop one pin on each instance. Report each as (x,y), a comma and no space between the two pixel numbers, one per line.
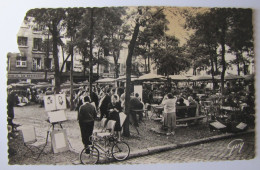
(109,101)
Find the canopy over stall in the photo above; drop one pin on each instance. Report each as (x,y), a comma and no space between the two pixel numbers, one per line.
(21,84)
(106,80)
(67,85)
(249,77)
(41,85)
(201,78)
(150,76)
(121,78)
(179,77)
(230,77)
(83,83)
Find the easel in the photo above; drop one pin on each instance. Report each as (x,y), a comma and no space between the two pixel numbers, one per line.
(56,116)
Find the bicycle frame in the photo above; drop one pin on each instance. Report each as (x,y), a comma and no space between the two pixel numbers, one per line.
(105,150)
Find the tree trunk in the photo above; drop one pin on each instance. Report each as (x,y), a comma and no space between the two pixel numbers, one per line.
(98,63)
(84,66)
(56,58)
(245,67)
(145,65)
(216,62)
(223,51)
(212,72)
(149,49)
(237,62)
(71,76)
(91,50)
(131,47)
(47,58)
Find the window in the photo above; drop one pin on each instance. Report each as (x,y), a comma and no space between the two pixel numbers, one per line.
(37,64)
(112,68)
(68,65)
(37,44)
(48,63)
(21,62)
(106,68)
(22,41)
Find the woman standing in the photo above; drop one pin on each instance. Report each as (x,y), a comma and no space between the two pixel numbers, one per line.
(114,110)
(169,103)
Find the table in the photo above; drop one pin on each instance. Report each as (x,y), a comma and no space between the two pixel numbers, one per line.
(145,111)
(200,95)
(229,108)
(156,110)
(157,99)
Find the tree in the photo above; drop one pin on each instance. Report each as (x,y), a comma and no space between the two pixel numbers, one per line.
(203,44)
(215,28)
(71,23)
(52,19)
(242,28)
(149,38)
(112,32)
(142,15)
(170,59)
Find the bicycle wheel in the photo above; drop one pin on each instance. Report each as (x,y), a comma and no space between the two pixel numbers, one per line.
(120,151)
(91,158)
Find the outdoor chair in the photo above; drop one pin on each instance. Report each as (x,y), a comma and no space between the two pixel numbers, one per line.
(102,126)
(30,141)
(109,129)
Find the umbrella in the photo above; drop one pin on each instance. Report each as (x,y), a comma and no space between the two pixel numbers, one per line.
(67,84)
(230,77)
(105,80)
(83,83)
(150,76)
(178,77)
(22,84)
(42,85)
(201,78)
(249,77)
(124,77)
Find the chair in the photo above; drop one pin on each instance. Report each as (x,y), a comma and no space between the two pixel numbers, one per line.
(30,140)
(109,127)
(102,126)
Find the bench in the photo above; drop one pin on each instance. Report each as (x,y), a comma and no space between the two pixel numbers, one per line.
(187,113)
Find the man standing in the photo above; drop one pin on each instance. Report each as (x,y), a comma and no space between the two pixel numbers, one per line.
(136,104)
(11,102)
(86,116)
(103,104)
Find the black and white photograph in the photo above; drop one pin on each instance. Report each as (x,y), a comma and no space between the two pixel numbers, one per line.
(132,85)
(60,101)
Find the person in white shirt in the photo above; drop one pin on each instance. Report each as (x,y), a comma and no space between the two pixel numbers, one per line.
(169,103)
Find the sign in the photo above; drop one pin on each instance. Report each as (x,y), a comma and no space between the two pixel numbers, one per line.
(139,89)
(59,141)
(49,103)
(29,76)
(122,117)
(55,102)
(57,116)
(60,101)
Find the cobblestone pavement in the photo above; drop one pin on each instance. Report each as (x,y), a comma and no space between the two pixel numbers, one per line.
(213,151)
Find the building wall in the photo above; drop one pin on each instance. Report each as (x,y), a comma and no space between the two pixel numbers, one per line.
(27,51)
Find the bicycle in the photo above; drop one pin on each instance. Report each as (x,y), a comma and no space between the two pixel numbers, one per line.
(119,150)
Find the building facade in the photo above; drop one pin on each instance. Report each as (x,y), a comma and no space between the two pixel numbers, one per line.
(35,59)
(31,63)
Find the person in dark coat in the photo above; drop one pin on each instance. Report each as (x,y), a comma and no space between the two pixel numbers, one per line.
(180,113)
(12,100)
(103,105)
(94,98)
(114,110)
(136,104)
(86,117)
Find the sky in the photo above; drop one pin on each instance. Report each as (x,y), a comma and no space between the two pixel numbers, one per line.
(12,13)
